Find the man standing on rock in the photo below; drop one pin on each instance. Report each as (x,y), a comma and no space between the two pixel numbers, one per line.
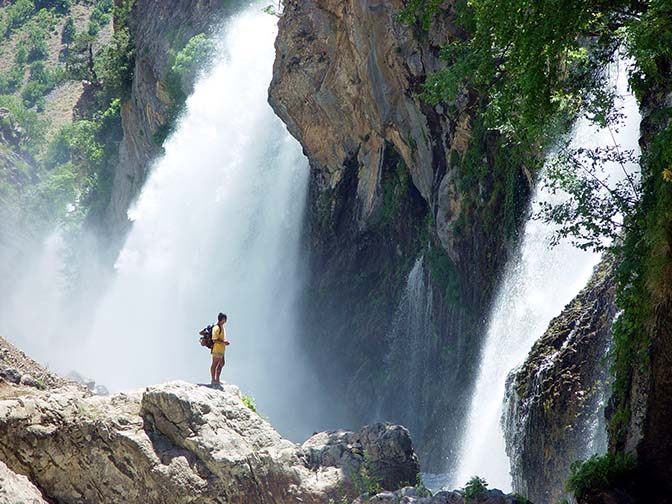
(218,348)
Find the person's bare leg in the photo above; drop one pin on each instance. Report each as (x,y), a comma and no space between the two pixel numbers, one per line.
(213,370)
(218,371)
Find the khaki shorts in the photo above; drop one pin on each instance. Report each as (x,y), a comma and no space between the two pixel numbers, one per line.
(218,354)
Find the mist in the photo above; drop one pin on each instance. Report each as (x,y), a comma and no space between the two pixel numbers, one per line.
(217,227)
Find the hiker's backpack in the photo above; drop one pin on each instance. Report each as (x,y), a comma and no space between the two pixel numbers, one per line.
(206,336)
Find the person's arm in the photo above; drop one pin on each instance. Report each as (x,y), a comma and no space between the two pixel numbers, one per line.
(217,334)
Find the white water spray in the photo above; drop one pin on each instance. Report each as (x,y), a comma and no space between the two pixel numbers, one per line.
(411,342)
(217,227)
(537,283)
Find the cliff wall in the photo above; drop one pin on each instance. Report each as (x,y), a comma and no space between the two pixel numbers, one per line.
(392,180)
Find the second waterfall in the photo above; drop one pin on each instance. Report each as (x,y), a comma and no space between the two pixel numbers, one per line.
(537,283)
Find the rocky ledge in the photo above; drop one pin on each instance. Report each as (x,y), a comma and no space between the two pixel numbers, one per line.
(555,400)
(412,496)
(182,443)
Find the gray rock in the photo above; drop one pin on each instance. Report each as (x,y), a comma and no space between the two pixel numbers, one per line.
(408,496)
(101,390)
(79,378)
(88,383)
(384,448)
(17,489)
(9,374)
(172,443)
(555,401)
(29,381)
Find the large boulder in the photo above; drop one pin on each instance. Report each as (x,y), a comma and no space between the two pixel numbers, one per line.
(180,443)
(413,496)
(382,449)
(17,489)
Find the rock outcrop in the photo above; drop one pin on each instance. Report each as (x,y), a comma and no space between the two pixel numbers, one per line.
(554,413)
(640,412)
(16,489)
(392,179)
(16,368)
(184,443)
(413,496)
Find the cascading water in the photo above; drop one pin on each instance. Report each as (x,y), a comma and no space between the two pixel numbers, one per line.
(217,227)
(411,341)
(536,285)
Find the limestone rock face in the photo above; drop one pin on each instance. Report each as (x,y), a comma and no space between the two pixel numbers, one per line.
(173,443)
(649,400)
(343,82)
(388,185)
(17,489)
(555,403)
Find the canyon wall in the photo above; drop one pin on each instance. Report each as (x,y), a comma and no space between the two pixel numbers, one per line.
(393,179)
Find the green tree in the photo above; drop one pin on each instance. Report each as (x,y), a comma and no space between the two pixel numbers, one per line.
(114,66)
(78,144)
(34,126)
(79,58)
(11,80)
(69,31)
(592,216)
(37,43)
(45,19)
(61,6)
(21,55)
(33,92)
(195,55)
(474,486)
(19,12)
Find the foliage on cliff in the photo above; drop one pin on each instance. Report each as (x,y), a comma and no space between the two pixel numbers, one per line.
(538,66)
(185,63)
(71,129)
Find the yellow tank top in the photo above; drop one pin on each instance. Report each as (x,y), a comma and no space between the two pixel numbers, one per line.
(218,336)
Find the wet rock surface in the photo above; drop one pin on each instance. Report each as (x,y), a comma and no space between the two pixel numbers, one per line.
(412,496)
(554,411)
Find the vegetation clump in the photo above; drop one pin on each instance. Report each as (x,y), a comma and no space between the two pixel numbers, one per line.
(476,485)
(73,163)
(250,403)
(599,473)
(185,66)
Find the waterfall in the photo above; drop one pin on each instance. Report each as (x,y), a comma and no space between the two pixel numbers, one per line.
(217,227)
(411,342)
(537,283)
